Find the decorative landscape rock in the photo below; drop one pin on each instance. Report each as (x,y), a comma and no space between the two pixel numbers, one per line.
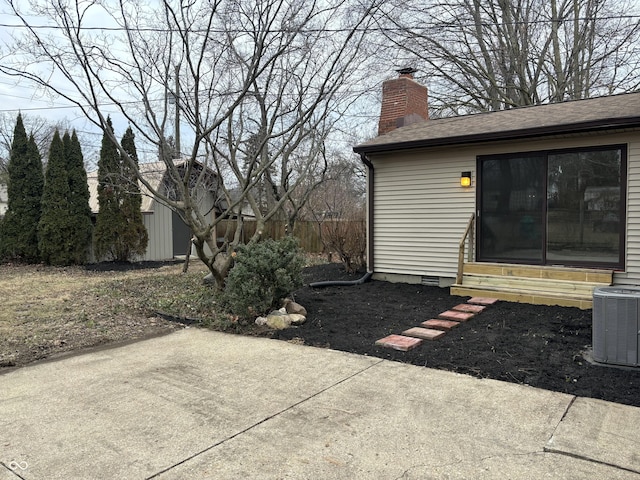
(279,320)
(293,307)
(297,318)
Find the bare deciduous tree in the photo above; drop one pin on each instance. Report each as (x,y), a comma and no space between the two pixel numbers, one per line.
(491,55)
(338,207)
(258,85)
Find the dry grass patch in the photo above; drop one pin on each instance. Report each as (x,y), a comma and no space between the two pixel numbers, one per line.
(45,310)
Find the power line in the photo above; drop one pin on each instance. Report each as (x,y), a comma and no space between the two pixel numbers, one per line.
(33,109)
(424,25)
(138,102)
(64,107)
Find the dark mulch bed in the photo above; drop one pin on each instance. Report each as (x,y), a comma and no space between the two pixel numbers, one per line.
(535,345)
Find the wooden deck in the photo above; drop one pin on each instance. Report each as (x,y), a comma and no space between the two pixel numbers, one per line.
(538,285)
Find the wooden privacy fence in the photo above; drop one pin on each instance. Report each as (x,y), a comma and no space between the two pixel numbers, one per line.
(307,232)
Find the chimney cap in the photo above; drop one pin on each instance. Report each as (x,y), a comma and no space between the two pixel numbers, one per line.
(407,71)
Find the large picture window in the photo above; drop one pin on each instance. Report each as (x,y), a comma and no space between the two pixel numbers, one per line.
(553,208)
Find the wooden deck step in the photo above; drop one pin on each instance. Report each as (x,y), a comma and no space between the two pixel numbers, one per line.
(538,271)
(537,298)
(534,284)
(540,285)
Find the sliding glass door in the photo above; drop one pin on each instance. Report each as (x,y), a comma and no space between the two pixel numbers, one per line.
(557,207)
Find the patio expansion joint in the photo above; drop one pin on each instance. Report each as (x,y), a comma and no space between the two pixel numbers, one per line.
(589,459)
(265,419)
(564,415)
(549,449)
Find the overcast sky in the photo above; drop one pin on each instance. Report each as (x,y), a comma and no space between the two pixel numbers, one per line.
(19,95)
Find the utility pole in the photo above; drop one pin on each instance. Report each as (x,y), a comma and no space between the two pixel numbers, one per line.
(187,257)
(177,94)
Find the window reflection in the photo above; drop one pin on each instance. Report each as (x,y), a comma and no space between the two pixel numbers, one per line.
(583,201)
(553,208)
(512,199)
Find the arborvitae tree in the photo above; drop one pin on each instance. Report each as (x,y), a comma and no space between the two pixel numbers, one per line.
(109,220)
(55,230)
(81,226)
(134,238)
(119,234)
(18,230)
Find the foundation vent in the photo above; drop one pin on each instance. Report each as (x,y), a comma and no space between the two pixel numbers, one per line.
(430,280)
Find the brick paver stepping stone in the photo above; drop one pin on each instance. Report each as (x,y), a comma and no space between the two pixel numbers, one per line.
(426,333)
(457,316)
(399,342)
(440,324)
(482,300)
(465,307)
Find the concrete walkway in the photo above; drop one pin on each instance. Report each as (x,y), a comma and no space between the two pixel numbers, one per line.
(198,404)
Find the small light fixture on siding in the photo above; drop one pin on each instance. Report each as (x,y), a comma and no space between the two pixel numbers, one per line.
(465,179)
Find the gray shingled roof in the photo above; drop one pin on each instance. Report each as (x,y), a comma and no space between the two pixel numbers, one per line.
(594,114)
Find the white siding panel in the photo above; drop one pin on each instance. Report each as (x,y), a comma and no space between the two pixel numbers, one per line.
(631,275)
(421,212)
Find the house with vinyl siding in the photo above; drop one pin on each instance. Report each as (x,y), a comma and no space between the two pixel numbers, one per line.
(550,206)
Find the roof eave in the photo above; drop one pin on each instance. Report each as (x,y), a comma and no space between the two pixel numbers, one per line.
(572,128)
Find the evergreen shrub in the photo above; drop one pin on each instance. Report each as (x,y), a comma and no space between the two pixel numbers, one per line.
(263,274)
(18,229)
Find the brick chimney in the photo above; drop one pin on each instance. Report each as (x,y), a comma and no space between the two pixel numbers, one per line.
(404,101)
